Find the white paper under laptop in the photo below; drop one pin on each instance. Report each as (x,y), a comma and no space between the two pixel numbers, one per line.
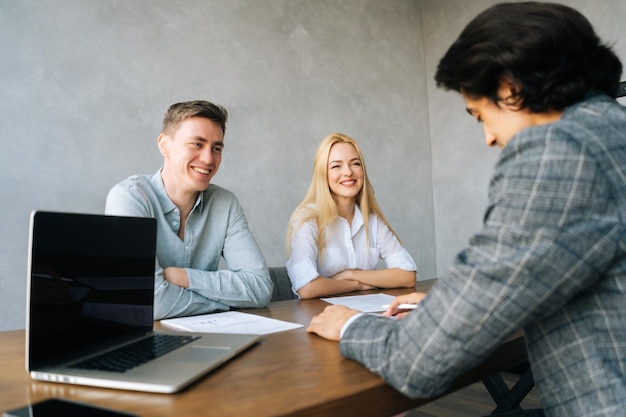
(90,292)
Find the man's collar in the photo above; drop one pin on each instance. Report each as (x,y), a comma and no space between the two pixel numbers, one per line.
(156,181)
(167,205)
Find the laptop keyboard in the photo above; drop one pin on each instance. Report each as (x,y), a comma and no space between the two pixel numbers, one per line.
(135,354)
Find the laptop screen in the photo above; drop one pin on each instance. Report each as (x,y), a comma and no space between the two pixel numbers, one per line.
(91,283)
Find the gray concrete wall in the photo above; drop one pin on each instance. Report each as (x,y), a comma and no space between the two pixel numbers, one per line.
(84,85)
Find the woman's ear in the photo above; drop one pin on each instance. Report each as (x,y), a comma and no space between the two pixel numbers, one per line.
(163,142)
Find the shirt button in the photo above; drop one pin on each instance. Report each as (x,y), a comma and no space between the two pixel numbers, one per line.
(174,223)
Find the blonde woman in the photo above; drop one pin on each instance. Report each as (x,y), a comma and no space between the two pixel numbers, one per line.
(338,234)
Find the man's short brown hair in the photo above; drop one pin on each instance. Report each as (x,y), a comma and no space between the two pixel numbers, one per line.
(179,112)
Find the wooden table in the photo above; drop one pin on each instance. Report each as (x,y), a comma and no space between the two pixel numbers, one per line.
(292,373)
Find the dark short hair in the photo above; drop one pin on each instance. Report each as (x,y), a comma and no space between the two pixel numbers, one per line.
(180,112)
(549,51)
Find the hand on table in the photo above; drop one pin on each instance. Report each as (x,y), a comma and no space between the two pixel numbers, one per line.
(394,311)
(329,322)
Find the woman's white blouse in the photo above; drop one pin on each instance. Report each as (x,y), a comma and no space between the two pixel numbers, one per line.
(346,248)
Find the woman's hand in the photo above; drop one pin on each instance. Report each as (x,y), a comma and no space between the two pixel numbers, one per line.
(346,274)
(350,275)
(413,298)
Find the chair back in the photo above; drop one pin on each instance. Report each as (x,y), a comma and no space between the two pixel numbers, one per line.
(282,284)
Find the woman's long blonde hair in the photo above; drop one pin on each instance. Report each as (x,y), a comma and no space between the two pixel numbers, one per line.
(318,203)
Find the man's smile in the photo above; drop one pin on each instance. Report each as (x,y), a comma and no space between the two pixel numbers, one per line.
(201,170)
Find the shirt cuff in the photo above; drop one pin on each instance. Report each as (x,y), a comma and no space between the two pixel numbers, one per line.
(301,273)
(348,323)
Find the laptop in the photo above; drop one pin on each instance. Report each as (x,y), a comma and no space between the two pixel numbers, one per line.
(90,309)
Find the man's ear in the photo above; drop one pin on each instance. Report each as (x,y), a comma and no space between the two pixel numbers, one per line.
(163,142)
(509,91)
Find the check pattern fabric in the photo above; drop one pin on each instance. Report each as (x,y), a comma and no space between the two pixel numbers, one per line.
(550,259)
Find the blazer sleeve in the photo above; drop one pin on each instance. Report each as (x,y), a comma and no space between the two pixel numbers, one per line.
(550,230)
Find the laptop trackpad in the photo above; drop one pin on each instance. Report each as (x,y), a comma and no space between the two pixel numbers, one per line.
(201,354)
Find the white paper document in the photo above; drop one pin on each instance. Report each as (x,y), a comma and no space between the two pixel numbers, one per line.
(370,303)
(230,322)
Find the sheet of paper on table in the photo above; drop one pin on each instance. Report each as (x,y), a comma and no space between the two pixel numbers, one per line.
(230,322)
(369,303)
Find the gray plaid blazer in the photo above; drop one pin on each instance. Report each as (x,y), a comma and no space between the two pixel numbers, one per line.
(550,259)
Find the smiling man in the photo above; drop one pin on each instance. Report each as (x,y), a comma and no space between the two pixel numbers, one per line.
(199,223)
(551,256)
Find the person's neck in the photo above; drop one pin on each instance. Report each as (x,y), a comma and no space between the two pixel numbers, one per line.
(345,209)
(547,117)
(183,200)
